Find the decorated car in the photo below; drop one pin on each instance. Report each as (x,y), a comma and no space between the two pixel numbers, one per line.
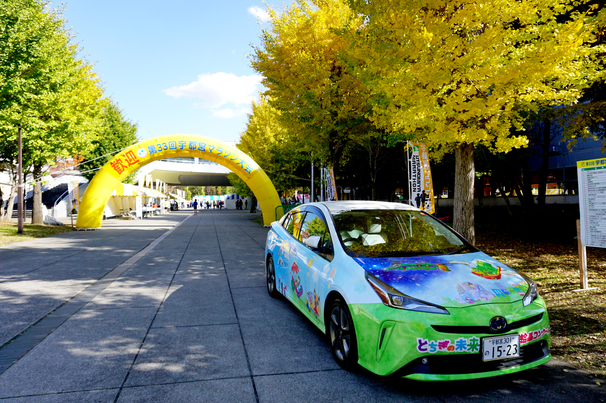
(398,292)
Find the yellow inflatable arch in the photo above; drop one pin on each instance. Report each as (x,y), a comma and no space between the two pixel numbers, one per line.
(90,214)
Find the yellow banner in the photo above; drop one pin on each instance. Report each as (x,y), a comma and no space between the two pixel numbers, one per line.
(331,186)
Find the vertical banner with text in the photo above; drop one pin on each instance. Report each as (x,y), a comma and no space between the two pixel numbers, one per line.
(419,175)
(330,191)
(73,188)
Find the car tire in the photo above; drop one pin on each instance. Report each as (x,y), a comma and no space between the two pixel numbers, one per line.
(342,335)
(270,274)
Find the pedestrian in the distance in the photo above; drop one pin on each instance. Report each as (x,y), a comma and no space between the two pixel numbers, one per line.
(195,206)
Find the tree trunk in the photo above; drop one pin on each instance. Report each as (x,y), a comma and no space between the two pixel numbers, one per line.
(544,169)
(372,170)
(497,184)
(464,220)
(523,185)
(37,217)
(8,213)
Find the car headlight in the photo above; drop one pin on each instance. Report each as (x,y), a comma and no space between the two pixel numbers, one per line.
(395,299)
(531,293)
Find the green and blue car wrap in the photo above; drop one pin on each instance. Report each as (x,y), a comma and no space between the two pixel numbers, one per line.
(445,343)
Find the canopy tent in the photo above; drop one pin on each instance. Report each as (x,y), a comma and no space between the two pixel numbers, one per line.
(230,202)
(124,199)
(177,197)
(210,197)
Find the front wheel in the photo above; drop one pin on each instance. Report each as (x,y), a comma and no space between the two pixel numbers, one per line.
(270,273)
(342,335)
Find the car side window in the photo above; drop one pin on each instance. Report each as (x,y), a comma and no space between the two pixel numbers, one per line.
(293,223)
(316,236)
(287,220)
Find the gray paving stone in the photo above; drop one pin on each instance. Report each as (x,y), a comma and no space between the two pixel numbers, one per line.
(220,391)
(132,293)
(278,338)
(179,354)
(92,350)
(197,299)
(334,386)
(93,396)
(246,278)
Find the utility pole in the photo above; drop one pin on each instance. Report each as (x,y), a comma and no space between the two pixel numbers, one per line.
(20,187)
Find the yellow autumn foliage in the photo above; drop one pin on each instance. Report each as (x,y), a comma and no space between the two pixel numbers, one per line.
(321,105)
(466,72)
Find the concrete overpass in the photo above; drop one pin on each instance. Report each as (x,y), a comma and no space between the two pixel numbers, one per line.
(187,172)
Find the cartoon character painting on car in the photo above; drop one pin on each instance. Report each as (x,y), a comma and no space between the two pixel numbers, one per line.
(398,292)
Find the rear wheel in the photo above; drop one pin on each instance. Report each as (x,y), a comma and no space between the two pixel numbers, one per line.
(270,273)
(342,335)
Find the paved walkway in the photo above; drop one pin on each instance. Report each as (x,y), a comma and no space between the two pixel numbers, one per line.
(174,308)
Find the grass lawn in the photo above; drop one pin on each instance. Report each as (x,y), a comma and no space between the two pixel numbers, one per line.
(8,232)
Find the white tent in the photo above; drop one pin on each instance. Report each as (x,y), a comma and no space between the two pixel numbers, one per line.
(230,200)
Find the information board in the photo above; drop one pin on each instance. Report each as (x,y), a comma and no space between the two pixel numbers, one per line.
(592,202)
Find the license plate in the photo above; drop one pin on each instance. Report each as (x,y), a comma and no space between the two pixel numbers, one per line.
(500,347)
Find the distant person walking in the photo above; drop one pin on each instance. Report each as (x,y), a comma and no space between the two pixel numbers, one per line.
(195,206)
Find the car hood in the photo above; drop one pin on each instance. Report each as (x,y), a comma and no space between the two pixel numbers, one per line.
(449,280)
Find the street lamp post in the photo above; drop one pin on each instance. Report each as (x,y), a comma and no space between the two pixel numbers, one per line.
(20,187)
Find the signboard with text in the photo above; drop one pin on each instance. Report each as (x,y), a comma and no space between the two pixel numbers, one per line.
(592,202)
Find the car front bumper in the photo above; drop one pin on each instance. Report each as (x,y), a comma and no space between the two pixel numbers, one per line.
(425,346)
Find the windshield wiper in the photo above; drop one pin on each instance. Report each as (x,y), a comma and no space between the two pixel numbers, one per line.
(407,254)
(461,249)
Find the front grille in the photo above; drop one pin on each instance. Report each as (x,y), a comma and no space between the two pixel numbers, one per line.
(472,363)
(486,329)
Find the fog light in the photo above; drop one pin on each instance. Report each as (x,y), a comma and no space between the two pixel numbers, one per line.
(425,361)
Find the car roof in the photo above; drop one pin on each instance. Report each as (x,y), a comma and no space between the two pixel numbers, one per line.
(335,207)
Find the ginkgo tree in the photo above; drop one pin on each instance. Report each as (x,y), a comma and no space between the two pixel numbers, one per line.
(322,106)
(45,89)
(459,73)
(269,144)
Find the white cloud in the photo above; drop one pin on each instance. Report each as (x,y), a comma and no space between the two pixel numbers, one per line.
(219,89)
(230,113)
(259,13)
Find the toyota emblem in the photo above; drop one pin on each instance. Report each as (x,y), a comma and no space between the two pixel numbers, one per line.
(498,324)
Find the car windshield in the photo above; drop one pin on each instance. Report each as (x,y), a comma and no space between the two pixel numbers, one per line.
(384,233)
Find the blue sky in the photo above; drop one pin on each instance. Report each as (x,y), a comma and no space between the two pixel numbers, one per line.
(179,67)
